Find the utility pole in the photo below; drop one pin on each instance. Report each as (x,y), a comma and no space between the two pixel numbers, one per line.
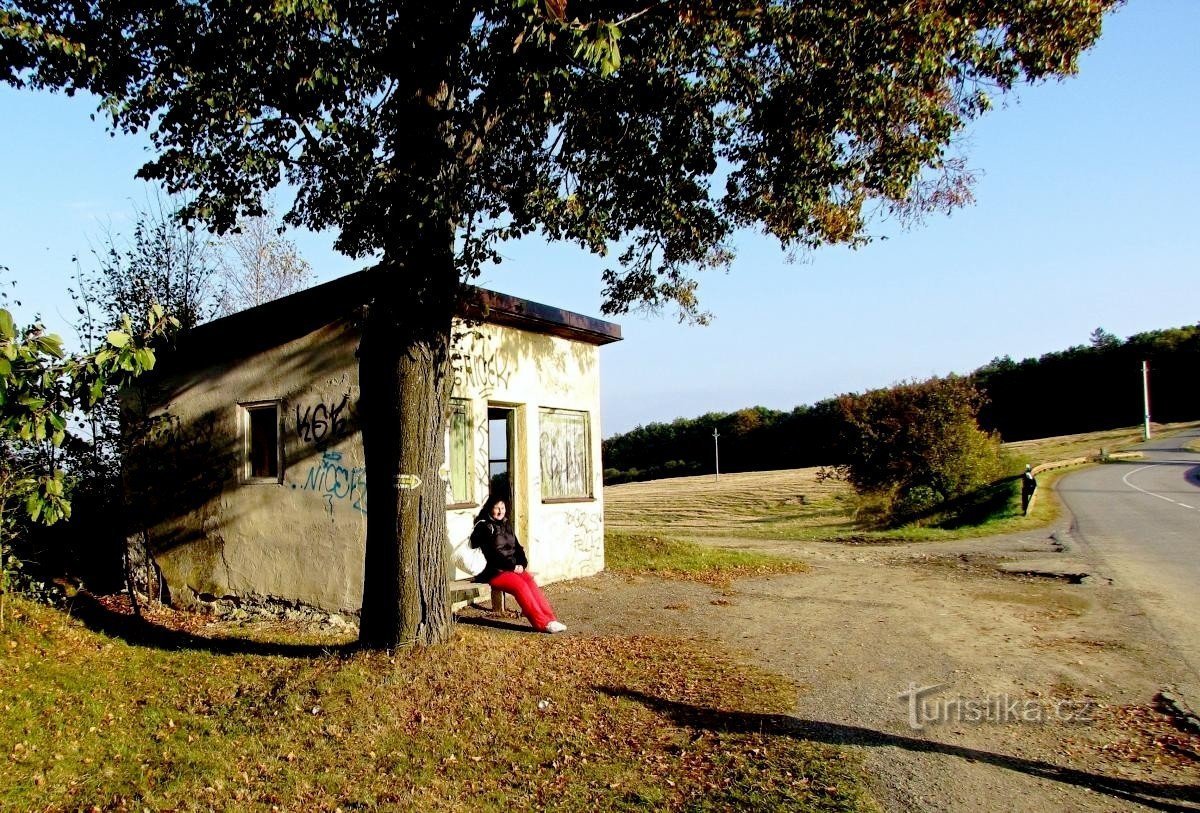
(716,454)
(1146,399)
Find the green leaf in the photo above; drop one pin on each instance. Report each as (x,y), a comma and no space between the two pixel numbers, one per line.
(5,367)
(33,506)
(8,329)
(118,338)
(51,344)
(145,357)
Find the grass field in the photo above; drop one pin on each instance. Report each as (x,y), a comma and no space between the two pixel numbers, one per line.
(1064,447)
(95,721)
(795,504)
(774,504)
(675,558)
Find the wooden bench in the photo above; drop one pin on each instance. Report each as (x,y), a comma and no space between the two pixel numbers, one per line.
(464,591)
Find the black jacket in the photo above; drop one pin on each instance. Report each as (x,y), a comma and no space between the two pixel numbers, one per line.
(500,548)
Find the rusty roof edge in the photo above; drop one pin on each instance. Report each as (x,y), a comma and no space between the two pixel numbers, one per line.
(495,307)
(339,296)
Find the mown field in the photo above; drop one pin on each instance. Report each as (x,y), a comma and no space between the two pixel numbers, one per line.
(796,504)
(789,503)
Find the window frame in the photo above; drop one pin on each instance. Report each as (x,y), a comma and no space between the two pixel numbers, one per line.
(468,500)
(589,475)
(245,408)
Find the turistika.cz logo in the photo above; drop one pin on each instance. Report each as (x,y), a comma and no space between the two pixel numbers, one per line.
(1001,708)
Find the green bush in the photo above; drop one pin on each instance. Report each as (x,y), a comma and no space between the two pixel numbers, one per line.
(917,445)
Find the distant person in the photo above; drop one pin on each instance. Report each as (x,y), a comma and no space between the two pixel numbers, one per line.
(506,563)
(1028,486)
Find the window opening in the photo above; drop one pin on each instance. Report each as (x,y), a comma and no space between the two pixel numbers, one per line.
(262,441)
(500,455)
(565,447)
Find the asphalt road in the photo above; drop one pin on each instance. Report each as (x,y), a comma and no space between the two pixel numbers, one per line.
(1141,520)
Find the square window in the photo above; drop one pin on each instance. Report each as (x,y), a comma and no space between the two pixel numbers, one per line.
(566,454)
(262,460)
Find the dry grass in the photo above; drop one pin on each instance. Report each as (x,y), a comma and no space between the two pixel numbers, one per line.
(1065,447)
(771,504)
(679,559)
(489,721)
(795,504)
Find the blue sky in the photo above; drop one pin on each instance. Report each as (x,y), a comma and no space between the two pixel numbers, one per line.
(1086,215)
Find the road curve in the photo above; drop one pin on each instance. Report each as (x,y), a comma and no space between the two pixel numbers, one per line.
(1141,520)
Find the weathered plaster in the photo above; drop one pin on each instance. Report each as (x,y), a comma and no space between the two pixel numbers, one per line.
(302,539)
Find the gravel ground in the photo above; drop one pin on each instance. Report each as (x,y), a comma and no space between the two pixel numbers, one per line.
(869,623)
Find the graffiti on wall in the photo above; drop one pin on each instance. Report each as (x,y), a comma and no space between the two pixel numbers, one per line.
(477,365)
(482,459)
(322,422)
(577,539)
(337,483)
(585,527)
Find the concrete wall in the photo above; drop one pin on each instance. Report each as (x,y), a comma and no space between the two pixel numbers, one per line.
(301,537)
(502,366)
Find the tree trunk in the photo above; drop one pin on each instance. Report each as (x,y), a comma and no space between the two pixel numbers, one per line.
(405,389)
(405,358)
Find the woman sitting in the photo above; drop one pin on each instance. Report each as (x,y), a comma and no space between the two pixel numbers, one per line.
(506,563)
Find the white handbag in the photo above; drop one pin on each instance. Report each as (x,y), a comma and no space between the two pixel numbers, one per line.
(469,560)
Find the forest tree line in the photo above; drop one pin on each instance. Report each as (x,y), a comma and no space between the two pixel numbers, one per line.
(1084,388)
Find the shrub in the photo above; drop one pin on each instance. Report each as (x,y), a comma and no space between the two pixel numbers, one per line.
(916,445)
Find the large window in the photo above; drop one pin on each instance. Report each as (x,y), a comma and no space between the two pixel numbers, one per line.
(460,452)
(566,452)
(261,449)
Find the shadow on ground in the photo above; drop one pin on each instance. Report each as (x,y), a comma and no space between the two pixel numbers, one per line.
(475,619)
(1155,795)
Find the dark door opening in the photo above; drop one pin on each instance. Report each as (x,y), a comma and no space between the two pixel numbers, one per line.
(500,456)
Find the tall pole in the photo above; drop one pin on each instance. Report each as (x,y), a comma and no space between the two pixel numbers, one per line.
(1146,398)
(716,454)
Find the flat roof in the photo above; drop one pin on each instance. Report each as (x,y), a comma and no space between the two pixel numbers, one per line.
(294,315)
(502,309)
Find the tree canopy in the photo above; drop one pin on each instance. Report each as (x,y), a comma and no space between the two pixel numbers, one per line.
(655,127)
(426,134)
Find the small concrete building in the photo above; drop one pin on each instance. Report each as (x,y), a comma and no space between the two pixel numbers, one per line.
(249,483)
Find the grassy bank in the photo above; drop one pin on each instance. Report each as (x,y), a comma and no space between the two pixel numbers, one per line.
(488,721)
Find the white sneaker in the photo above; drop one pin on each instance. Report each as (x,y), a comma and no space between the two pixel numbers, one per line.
(556,626)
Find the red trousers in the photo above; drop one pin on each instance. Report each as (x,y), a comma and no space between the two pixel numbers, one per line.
(525,589)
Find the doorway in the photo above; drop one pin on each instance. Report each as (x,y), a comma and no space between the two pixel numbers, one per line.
(501,437)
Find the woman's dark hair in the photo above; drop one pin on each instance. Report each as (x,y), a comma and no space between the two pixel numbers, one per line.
(489,504)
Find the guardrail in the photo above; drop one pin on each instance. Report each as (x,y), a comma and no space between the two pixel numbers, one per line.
(1103,457)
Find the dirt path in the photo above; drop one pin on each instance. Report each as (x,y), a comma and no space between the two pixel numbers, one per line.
(867,623)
